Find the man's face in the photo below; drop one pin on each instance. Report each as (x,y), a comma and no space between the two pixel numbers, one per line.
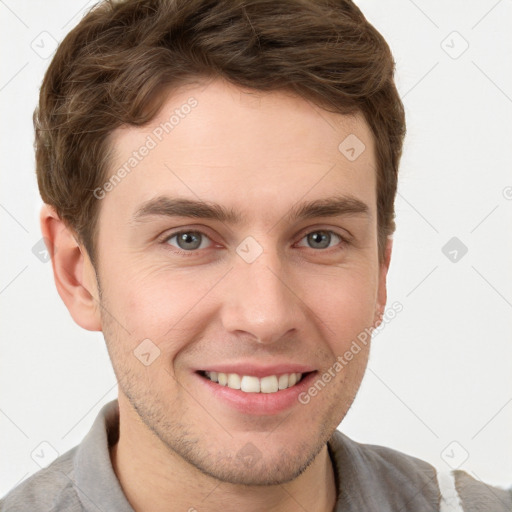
(264,296)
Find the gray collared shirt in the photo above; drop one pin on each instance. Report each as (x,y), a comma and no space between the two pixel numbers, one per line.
(369,478)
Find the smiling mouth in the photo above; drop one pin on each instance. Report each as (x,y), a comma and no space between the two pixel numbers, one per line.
(252,384)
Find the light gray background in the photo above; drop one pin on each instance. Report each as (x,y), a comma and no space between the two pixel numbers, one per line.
(439,382)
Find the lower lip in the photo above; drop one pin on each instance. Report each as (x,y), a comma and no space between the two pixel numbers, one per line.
(258,403)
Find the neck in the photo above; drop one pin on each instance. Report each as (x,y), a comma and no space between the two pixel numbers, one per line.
(152,477)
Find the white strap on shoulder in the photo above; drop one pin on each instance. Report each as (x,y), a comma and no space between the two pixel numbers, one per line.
(450,500)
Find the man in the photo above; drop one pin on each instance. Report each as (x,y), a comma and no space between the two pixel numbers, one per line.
(219,180)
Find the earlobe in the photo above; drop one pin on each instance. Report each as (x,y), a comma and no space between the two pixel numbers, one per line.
(73,272)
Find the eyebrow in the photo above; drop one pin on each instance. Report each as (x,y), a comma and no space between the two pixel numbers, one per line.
(335,206)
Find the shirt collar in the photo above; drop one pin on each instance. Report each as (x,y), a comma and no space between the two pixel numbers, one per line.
(95,480)
(100,491)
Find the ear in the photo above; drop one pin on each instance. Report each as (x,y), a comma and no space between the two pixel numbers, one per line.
(382,294)
(74,275)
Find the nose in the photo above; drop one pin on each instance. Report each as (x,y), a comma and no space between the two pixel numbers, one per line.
(261,300)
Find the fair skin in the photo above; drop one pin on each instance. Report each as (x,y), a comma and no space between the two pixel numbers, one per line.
(301,302)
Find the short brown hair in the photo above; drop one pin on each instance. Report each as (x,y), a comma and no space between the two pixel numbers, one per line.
(111,69)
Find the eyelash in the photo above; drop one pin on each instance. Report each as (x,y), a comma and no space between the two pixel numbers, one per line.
(344,241)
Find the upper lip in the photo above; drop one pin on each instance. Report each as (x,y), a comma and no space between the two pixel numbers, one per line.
(258,370)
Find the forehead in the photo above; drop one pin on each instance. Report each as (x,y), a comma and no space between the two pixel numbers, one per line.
(246,149)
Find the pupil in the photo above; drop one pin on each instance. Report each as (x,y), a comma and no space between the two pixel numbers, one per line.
(319,237)
(188,238)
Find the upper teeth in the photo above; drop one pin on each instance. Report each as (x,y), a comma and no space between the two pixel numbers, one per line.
(251,384)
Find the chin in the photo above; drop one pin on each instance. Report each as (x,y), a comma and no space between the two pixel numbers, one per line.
(250,467)
(259,474)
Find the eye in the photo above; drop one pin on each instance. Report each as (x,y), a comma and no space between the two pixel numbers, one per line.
(321,239)
(188,240)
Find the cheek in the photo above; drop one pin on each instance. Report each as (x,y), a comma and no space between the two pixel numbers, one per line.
(345,302)
(171,306)
(152,307)
(163,305)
